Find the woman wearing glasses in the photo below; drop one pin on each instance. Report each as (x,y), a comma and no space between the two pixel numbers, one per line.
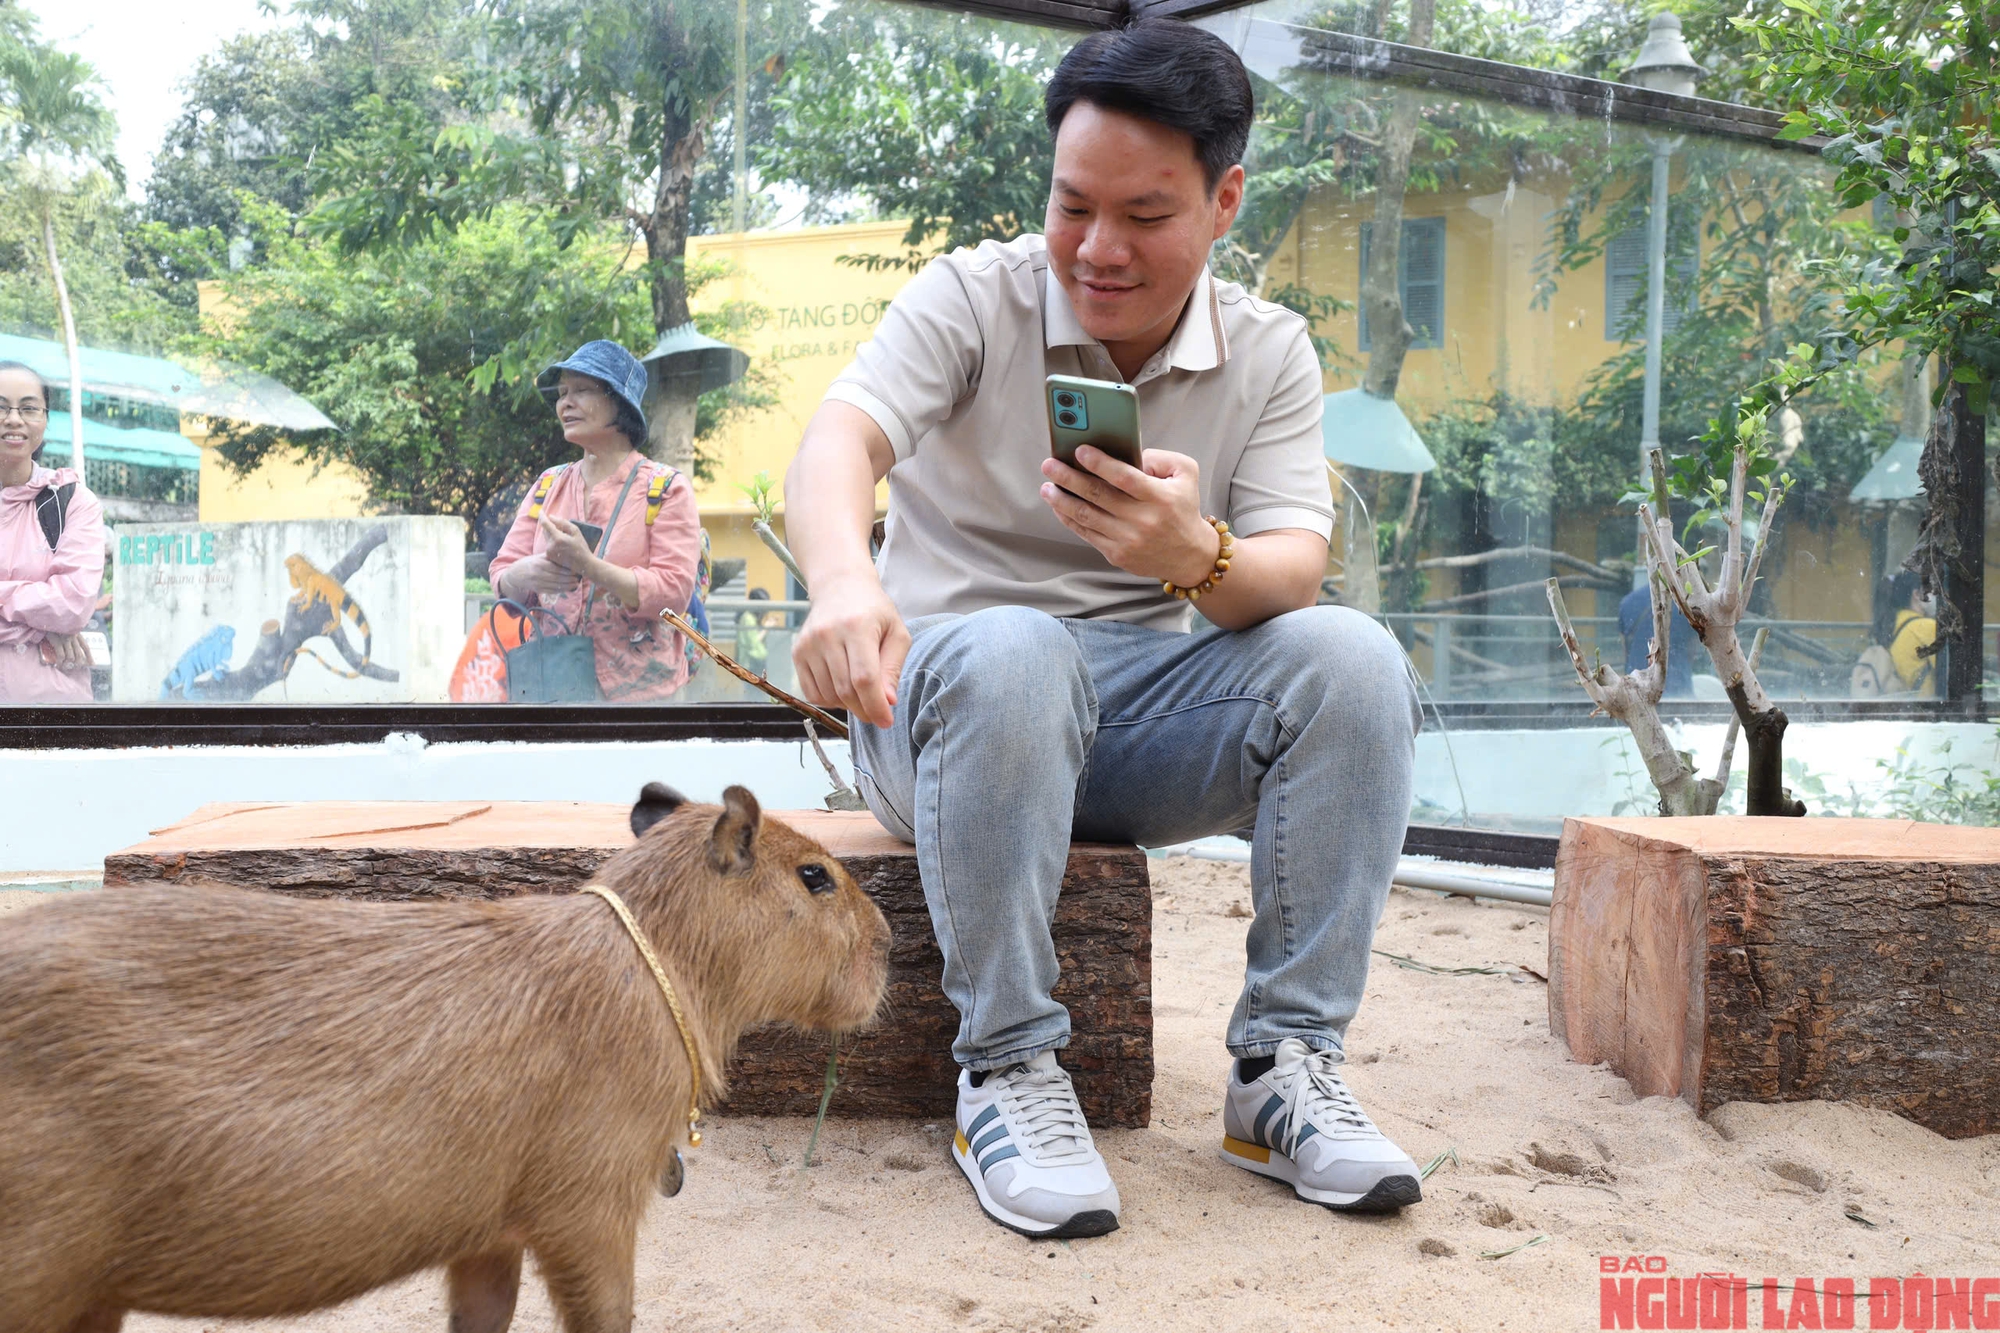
(608,541)
(51,554)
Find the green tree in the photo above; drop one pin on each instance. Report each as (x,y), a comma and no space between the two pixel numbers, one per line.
(264,105)
(926,117)
(1906,96)
(594,111)
(424,355)
(59,134)
(102,241)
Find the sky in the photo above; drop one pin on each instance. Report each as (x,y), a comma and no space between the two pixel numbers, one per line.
(142,50)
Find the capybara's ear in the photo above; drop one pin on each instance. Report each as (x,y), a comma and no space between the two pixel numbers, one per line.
(732,844)
(656,801)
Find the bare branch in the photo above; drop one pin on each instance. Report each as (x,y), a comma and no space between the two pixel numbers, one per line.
(1659,481)
(1726,584)
(1656,652)
(1664,554)
(1771,503)
(1591,684)
(1486,594)
(1736,723)
(1565,559)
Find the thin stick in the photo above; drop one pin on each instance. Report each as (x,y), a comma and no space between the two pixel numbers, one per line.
(1771,503)
(825,1099)
(779,549)
(832,773)
(821,716)
(1569,639)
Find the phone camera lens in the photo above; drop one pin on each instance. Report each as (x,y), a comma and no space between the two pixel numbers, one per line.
(1067,418)
(1065,400)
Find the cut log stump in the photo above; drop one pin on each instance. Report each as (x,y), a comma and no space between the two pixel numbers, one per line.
(406,851)
(1773,960)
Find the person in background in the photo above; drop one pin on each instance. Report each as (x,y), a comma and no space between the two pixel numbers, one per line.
(48,584)
(644,561)
(1906,626)
(1635,622)
(752,653)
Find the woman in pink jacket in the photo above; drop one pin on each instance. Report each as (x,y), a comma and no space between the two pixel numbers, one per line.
(647,557)
(47,589)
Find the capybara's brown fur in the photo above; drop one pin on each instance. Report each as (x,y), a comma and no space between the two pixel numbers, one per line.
(228,1103)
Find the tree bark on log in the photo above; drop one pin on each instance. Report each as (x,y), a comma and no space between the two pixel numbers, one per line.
(902,1067)
(1729,959)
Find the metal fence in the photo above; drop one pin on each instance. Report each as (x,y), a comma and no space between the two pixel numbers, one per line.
(1521,657)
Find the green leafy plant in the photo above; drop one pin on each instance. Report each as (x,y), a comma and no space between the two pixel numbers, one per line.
(762,494)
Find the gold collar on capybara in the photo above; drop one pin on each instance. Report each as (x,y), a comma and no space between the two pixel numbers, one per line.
(228,1103)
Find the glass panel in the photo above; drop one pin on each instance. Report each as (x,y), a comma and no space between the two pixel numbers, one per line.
(1532,226)
(312,325)
(311,329)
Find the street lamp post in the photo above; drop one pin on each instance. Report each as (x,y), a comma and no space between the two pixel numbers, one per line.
(1663,65)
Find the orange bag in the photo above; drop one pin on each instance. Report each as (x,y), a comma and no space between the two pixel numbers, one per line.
(480,677)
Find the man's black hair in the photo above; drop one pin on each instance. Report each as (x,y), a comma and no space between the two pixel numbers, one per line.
(1167,72)
(39,379)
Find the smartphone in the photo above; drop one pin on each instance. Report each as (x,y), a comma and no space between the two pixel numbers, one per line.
(592,535)
(1093,412)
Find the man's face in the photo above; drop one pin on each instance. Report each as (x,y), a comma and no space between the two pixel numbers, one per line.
(1130,222)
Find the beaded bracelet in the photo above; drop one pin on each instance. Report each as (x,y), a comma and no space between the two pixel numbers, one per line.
(1222,555)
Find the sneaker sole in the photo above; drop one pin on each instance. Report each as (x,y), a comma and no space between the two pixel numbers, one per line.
(1385,1196)
(1091,1222)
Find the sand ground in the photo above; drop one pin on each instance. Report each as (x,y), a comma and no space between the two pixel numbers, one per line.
(884,1234)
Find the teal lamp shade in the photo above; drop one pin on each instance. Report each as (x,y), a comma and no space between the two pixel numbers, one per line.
(1894,476)
(1362,430)
(687,350)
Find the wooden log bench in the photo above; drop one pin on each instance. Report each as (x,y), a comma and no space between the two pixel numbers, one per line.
(416,851)
(1771,960)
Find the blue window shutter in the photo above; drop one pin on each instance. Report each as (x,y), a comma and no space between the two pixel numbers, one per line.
(1419,280)
(1422,279)
(1625,287)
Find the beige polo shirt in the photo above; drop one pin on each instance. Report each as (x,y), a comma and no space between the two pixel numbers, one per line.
(954,377)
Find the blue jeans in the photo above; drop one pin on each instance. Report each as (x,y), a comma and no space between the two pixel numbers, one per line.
(1015,731)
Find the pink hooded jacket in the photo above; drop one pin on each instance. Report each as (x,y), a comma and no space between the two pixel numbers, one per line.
(45,592)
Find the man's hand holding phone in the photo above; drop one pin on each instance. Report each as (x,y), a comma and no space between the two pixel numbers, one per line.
(1146,522)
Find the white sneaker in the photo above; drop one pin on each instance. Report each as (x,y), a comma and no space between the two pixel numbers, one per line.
(1023,1144)
(1298,1123)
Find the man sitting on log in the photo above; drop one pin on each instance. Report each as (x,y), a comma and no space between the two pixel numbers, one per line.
(1019,666)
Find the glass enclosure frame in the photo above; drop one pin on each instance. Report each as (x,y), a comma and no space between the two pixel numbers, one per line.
(119,725)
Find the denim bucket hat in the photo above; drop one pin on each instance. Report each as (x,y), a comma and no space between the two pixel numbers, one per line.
(624,373)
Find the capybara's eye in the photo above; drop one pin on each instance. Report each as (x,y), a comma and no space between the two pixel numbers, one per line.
(816,879)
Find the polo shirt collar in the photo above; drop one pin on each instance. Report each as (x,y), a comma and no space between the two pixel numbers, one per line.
(1198,342)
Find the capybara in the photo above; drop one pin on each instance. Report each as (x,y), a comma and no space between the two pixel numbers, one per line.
(224,1102)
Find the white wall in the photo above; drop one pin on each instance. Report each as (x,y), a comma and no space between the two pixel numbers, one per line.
(66,809)
(1590,770)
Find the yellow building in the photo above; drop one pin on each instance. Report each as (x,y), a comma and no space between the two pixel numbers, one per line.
(285,485)
(807,312)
